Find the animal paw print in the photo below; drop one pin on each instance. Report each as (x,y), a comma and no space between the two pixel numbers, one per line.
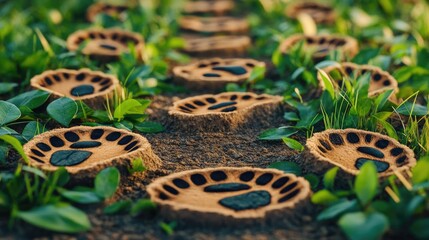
(215,73)
(82,84)
(105,8)
(218,7)
(320,13)
(351,148)
(237,192)
(222,103)
(213,24)
(217,45)
(84,147)
(380,81)
(108,43)
(322,45)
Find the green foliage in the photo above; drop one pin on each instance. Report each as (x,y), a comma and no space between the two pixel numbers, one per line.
(8,113)
(287,167)
(366,183)
(329,178)
(168,228)
(59,217)
(277,133)
(32,129)
(390,37)
(106,182)
(363,212)
(142,206)
(118,207)
(30,100)
(420,171)
(363,226)
(149,127)
(62,110)
(292,143)
(16,145)
(137,166)
(42,200)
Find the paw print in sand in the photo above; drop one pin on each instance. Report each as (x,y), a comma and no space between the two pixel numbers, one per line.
(82,150)
(351,148)
(227,194)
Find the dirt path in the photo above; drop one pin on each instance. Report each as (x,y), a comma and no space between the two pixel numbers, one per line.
(183,151)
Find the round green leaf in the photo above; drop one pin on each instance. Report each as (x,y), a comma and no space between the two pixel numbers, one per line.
(359,225)
(106,182)
(8,113)
(62,110)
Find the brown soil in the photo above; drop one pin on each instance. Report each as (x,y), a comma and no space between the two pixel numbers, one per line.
(184,151)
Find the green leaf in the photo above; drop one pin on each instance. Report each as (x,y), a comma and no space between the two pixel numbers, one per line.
(313,180)
(326,63)
(7,87)
(257,74)
(62,175)
(142,206)
(8,113)
(34,171)
(366,183)
(32,99)
(324,197)
(292,143)
(365,55)
(419,228)
(420,171)
(59,218)
(84,111)
(83,197)
(130,106)
(408,108)
(7,131)
(329,178)
(16,145)
(405,73)
(277,133)
(291,116)
(149,127)
(308,114)
(124,124)
(62,110)
(168,228)
(358,225)
(338,209)
(137,166)
(381,99)
(388,127)
(287,167)
(32,129)
(327,82)
(106,182)
(117,207)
